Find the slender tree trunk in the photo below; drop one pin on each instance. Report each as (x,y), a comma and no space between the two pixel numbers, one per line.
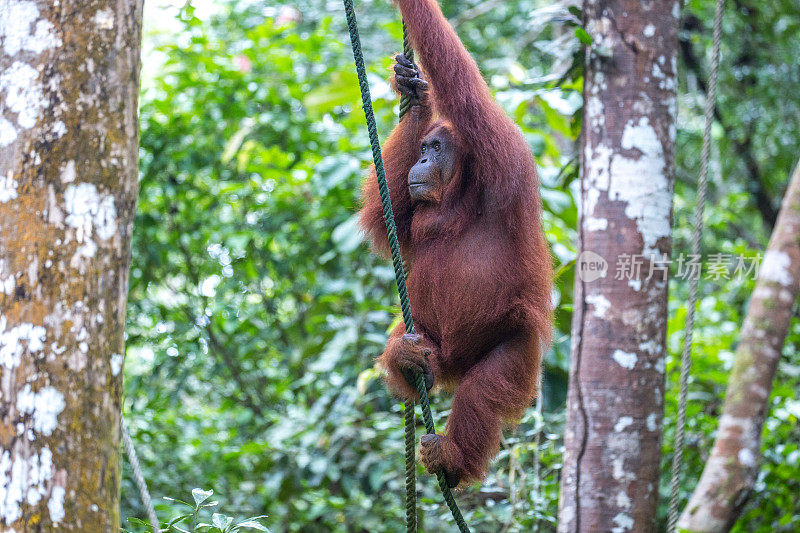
(68,184)
(731,470)
(615,402)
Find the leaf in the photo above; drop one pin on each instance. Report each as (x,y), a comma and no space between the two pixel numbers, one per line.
(221,521)
(201,495)
(189,505)
(342,89)
(250,524)
(140,523)
(563,269)
(178,519)
(235,142)
(582,36)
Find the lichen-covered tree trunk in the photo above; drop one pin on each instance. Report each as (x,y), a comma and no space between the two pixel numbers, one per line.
(615,401)
(68,183)
(731,470)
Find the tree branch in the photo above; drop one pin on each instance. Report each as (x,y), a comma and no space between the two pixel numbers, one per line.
(732,467)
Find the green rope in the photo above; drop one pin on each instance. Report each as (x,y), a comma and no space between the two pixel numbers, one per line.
(405,100)
(409,421)
(400,276)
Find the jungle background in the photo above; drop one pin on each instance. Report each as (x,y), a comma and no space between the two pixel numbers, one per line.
(256,309)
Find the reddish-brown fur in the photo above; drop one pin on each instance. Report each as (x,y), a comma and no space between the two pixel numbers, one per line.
(480,275)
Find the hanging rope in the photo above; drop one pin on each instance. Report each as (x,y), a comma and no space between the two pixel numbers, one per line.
(686,356)
(400,277)
(405,100)
(409,421)
(139,478)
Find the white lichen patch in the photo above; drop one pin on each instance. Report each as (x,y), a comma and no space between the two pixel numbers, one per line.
(595,224)
(652,422)
(44,406)
(595,113)
(23,93)
(567,514)
(649,30)
(598,161)
(622,423)
(67,174)
(668,83)
(624,522)
(7,285)
(641,182)
(651,346)
(89,213)
(22,28)
(8,134)
(23,479)
(33,272)
(620,446)
(625,359)
(116,364)
(775,267)
(600,30)
(104,19)
(623,501)
(600,303)
(14,341)
(8,187)
(7,279)
(106,218)
(55,505)
(657,72)
(59,129)
(54,214)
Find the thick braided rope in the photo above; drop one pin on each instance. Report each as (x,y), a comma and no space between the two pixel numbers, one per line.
(405,101)
(686,356)
(139,478)
(411,466)
(409,419)
(400,277)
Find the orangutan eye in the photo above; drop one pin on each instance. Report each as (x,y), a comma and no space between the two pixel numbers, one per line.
(436,145)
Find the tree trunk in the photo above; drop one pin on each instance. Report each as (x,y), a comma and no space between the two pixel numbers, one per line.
(68,184)
(731,470)
(615,402)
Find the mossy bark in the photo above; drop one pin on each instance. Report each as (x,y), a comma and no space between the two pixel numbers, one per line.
(732,467)
(68,185)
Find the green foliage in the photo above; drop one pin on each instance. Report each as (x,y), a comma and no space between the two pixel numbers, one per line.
(256,310)
(754,152)
(191,521)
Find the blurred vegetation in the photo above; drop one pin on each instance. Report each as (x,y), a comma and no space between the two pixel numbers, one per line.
(256,311)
